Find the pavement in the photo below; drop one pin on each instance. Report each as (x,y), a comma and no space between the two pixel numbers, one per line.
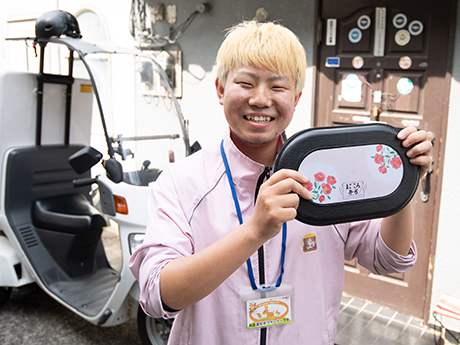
(364,323)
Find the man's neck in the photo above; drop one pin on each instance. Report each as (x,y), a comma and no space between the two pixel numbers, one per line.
(264,154)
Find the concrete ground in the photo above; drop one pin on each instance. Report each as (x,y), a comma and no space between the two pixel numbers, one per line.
(36,319)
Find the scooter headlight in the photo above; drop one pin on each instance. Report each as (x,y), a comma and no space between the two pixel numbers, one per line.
(135,241)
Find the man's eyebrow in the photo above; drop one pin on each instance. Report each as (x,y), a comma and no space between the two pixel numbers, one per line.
(277,78)
(256,77)
(248,74)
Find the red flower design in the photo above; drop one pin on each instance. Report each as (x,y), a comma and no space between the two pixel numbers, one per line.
(319,177)
(378,159)
(331,180)
(396,162)
(309,186)
(387,158)
(321,187)
(327,189)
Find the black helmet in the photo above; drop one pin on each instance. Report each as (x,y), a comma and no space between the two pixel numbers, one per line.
(57,23)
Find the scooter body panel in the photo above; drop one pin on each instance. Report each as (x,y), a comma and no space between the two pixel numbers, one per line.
(12,272)
(136,198)
(36,248)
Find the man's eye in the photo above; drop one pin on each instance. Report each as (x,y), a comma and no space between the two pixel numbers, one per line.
(243,83)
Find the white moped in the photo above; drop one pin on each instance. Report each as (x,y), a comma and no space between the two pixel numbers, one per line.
(51,221)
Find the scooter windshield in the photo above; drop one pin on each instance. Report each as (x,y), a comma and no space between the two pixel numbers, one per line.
(136,112)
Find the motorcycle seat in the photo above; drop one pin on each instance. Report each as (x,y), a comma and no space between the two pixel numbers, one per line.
(70,213)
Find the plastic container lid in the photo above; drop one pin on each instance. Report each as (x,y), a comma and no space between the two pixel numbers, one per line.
(355,172)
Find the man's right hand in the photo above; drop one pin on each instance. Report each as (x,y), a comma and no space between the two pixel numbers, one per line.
(277,202)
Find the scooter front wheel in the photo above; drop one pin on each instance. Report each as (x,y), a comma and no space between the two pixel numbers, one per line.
(153,331)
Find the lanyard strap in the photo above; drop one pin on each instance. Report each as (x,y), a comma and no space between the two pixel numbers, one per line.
(262,288)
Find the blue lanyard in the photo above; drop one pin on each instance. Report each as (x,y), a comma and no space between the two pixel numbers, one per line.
(262,288)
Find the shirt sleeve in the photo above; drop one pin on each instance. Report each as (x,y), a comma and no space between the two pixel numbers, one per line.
(365,243)
(167,237)
(387,261)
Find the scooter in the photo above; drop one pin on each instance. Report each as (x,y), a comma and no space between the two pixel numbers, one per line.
(54,208)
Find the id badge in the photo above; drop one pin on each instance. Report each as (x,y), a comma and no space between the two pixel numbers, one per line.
(271,309)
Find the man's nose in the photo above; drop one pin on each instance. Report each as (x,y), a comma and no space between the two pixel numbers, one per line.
(260,97)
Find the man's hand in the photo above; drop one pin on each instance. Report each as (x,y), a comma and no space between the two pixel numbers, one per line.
(277,202)
(419,154)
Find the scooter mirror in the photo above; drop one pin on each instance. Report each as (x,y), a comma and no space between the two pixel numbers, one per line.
(114,170)
(84,159)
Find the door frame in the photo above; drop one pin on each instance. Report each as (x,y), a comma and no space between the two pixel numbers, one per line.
(438,168)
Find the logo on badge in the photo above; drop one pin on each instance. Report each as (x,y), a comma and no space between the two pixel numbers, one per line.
(309,243)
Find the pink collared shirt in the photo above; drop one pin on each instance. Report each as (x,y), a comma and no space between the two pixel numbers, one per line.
(191,207)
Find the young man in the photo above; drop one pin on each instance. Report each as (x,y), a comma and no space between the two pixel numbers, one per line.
(204,226)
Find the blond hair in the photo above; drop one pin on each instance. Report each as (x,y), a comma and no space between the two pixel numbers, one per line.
(262,45)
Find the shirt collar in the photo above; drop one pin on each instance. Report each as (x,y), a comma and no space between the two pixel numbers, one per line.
(245,171)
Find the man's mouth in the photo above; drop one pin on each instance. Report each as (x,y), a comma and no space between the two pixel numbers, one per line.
(258,119)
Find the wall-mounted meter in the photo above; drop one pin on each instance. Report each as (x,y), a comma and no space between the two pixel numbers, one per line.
(152,83)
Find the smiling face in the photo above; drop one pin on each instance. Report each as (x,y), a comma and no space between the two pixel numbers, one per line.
(258,105)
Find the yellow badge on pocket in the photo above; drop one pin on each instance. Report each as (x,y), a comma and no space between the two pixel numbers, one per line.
(309,243)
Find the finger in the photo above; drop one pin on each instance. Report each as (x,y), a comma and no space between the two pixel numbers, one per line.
(405,132)
(279,209)
(302,191)
(297,183)
(291,200)
(275,220)
(415,138)
(287,173)
(289,185)
(288,204)
(424,148)
(424,162)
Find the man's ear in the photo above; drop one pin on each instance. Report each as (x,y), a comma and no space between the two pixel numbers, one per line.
(297,97)
(220,91)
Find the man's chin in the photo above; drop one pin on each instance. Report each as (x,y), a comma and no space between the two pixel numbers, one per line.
(254,139)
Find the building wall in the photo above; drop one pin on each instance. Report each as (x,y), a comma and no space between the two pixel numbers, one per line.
(199,45)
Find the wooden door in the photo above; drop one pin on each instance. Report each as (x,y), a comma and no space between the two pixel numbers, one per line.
(390,61)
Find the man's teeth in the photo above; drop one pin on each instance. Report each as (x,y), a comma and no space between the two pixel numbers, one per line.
(259,119)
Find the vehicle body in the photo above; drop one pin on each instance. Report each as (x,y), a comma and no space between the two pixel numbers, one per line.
(51,220)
